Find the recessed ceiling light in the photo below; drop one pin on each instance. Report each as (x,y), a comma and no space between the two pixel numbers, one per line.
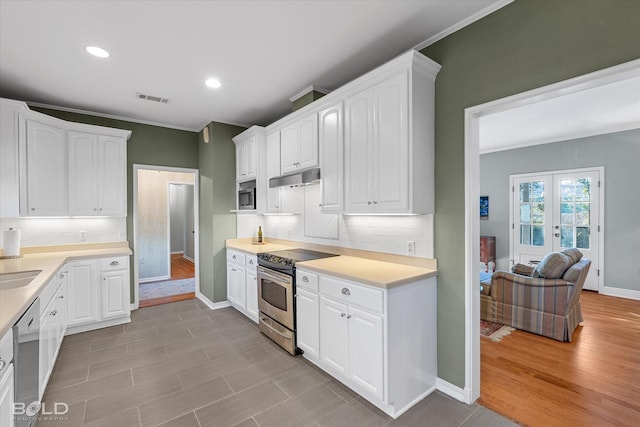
(97,51)
(213,83)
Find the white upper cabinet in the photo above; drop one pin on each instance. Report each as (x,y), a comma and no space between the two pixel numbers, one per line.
(51,167)
(46,170)
(389,141)
(273,170)
(97,175)
(12,129)
(331,157)
(246,158)
(299,144)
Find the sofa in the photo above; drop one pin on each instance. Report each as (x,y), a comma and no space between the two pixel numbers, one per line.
(544,299)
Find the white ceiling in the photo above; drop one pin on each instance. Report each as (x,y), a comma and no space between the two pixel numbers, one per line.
(263,52)
(606,108)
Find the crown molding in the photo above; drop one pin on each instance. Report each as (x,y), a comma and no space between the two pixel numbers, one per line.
(307,90)
(460,25)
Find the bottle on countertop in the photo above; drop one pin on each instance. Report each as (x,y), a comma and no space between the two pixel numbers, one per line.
(259,234)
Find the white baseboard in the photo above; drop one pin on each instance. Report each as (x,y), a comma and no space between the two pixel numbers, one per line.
(452,390)
(97,325)
(620,292)
(212,305)
(153,279)
(188,258)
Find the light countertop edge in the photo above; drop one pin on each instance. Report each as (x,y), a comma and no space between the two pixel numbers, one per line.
(379,274)
(14,302)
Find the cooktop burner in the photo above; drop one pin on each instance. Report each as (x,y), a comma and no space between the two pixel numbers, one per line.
(285,260)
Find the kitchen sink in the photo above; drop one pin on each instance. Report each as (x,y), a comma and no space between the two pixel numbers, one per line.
(17,279)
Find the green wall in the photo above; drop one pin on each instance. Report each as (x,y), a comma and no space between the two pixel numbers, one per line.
(148,145)
(525,45)
(217,199)
(306,99)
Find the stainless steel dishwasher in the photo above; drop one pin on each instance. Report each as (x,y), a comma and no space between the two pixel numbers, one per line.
(26,354)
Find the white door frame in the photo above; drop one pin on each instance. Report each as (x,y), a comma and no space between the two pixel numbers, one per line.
(625,71)
(196,224)
(601,221)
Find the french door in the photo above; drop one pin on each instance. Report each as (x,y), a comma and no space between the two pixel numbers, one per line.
(555,211)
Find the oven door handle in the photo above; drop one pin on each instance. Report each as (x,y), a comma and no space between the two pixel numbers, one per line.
(262,271)
(275,330)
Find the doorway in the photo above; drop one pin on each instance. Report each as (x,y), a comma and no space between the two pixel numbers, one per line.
(552,211)
(165,234)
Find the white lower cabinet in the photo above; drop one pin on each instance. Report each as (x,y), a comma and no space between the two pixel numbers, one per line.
(7,390)
(53,325)
(242,283)
(380,342)
(99,293)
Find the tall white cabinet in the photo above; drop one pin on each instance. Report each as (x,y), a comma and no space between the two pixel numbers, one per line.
(331,135)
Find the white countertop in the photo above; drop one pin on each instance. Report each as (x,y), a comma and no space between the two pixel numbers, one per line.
(373,272)
(14,302)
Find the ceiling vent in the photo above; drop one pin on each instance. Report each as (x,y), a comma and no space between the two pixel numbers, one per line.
(152,98)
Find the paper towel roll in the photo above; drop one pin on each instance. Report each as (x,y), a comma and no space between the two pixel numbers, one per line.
(11,239)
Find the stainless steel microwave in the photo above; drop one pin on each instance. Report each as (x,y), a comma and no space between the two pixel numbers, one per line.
(247,195)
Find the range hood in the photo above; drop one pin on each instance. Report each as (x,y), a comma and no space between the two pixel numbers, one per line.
(296,179)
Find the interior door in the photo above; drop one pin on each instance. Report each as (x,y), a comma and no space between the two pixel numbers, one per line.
(552,212)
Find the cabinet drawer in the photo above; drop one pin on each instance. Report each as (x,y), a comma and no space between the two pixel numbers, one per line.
(372,299)
(251,262)
(235,257)
(307,280)
(49,291)
(114,263)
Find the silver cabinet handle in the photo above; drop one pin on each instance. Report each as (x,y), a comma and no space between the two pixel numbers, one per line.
(95,209)
(375,202)
(53,313)
(114,263)
(368,202)
(33,209)
(346,291)
(348,316)
(305,279)
(342,314)
(2,364)
(234,257)
(61,297)
(250,261)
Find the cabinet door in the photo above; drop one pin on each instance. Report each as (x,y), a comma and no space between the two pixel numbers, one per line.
(46,344)
(250,157)
(273,170)
(334,335)
(358,135)
(289,155)
(112,168)
(391,148)
(241,171)
(308,142)
(252,295)
(366,351)
(240,289)
(12,126)
(82,303)
(114,294)
(46,170)
(308,323)
(83,173)
(331,157)
(231,288)
(7,397)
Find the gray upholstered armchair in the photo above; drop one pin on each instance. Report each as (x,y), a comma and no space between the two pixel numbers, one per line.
(544,300)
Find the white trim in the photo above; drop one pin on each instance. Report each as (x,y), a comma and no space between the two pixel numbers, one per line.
(71,330)
(451,390)
(154,279)
(212,305)
(472,191)
(308,89)
(467,21)
(620,292)
(196,223)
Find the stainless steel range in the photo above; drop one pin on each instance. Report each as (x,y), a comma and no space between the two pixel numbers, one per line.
(276,294)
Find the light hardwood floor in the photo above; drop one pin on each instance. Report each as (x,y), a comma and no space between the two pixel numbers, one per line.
(592,381)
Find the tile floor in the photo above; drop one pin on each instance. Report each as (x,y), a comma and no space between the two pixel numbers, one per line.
(181,364)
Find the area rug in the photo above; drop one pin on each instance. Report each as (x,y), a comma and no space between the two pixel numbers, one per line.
(166,288)
(494,331)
